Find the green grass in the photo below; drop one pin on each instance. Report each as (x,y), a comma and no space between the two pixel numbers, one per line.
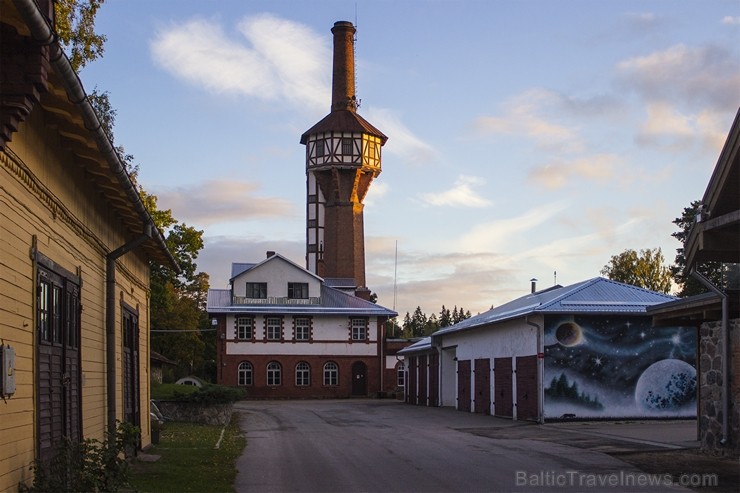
(189,461)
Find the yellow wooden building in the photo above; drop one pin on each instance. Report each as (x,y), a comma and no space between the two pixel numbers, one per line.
(76,244)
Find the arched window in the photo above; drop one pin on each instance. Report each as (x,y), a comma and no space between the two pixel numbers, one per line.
(245,373)
(274,373)
(302,374)
(331,373)
(400,374)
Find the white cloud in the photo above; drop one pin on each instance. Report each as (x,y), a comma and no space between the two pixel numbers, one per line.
(402,141)
(523,115)
(731,21)
(494,235)
(221,201)
(277,59)
(693,77)
(460,195)
(557,174)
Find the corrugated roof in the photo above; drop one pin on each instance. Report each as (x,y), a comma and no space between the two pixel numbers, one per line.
(343,121)
(594,296)
(424,344)
(333,301)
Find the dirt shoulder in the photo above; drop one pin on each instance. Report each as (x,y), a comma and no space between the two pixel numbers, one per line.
(693,469)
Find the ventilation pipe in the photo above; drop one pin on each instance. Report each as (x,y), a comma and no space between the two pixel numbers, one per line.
(725,336)
(534,284)
(110,320)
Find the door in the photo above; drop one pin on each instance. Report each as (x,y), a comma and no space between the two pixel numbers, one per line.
(131,404)
(359,378)
(503,401)
(463,385)
(58,400)
(434,380)
(483,386)
(423,380)
(526,387)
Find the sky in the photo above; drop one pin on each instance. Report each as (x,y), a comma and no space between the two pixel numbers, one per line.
(528,139)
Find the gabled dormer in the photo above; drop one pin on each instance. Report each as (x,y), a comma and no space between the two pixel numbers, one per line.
(274,281)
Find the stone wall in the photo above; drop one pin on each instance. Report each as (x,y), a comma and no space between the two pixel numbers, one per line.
(711,385)
(209,414)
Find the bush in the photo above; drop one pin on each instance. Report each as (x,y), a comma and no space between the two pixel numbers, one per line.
(89,465)
(210,394)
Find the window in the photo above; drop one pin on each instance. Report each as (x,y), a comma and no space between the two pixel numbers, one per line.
(331,373)
(274,328)
(244,327)
(298,290)
(302,374)
(245,373)
(257,290)
(320,148)
(359,329)
(347,146)
(401,374)
(302,329)
(274,373)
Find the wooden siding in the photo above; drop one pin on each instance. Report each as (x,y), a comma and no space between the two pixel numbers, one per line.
(44,197)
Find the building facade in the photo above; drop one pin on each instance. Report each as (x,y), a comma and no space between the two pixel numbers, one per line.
(76,244)
(283,332)
(588,350)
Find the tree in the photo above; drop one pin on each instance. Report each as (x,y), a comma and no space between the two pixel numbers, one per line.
(445,317)
(644,270)
(711,270)
(75,26)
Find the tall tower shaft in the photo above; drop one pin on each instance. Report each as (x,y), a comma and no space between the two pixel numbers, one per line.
(343,156)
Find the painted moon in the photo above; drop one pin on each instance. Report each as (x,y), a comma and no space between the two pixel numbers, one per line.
(667,384)
(569,334)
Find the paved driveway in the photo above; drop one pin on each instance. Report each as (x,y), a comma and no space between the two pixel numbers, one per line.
(384,446)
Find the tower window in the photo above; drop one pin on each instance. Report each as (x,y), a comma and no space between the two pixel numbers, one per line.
(298,290)
(320,148)
(347,146)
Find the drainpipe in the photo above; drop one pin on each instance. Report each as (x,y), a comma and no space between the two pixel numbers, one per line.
(110,320)
(540,371)
(725,350)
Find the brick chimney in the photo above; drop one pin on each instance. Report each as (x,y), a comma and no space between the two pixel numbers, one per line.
(343,74)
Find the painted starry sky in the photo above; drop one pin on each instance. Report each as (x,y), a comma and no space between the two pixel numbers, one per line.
(610,353)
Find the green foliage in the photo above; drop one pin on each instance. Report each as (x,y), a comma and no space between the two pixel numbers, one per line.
(166,391)
(419,325)
(644,270)
(210,394)
(711,270)
(89,465)
(75,26)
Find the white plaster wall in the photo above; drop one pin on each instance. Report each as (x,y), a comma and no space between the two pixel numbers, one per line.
(277,273)
(448,377)
(505,340)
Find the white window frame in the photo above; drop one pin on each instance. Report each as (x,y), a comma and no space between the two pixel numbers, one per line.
(302,374)
(359,329)
(244,326)
(331,374)
(274,374)
(246,374)
(302,328)
(273,328)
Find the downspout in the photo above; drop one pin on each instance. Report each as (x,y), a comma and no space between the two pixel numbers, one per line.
(110,320)
(540,371)
(725,349)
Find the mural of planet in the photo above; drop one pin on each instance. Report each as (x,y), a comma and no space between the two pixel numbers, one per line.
(569,334)
(667,385)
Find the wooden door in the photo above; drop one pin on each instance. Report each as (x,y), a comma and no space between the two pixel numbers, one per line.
(463,385)
(483,386)
(502,382)
(526,387)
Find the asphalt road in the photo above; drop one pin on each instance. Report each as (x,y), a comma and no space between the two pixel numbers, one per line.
(386,446)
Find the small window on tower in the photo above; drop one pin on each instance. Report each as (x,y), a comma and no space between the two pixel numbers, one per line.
(347,146)
(320,148)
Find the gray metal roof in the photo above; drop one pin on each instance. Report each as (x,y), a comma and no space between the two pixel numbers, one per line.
(594,296)
(424,344)
(238,268)
(333,301)
(341,282)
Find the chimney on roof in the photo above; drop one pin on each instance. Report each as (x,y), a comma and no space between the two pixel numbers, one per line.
(534,284)
(270,254)
(343,75)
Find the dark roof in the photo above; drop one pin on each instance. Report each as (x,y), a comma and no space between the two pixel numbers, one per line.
(239,268)
(333,302)
(343,121)
(594,296)
(341,282)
